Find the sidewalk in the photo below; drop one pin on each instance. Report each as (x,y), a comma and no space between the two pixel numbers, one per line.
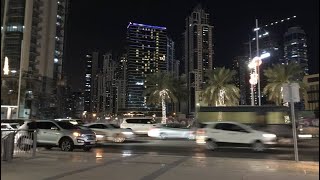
(95,165)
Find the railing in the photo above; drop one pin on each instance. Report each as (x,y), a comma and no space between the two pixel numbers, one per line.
(18,144)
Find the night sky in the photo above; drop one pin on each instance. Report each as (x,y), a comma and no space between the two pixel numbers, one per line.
(101,25)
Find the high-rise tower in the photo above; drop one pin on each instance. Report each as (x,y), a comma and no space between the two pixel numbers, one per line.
(295,47)
(147,50)
(198,53)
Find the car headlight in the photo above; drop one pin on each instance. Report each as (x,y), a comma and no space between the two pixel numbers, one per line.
(99,136)
(127,133)
(269,135)
(76,134)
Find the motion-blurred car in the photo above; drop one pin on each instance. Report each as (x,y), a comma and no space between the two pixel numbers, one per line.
(167,131)
(139,125)
(110,132)
(72,121)
(235,134)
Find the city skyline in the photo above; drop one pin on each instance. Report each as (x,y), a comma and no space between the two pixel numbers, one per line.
(231,30)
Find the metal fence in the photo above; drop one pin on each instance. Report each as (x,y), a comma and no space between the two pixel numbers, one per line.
(18,144)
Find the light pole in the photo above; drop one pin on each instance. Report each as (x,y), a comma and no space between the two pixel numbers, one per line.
(20,77)
(258,69)
(254,65)
(256,29)
(251,71)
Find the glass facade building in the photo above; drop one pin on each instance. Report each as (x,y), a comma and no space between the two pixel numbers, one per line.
(295,47)
(147,50)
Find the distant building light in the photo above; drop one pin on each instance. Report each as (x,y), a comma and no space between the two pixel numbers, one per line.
(56,60)
(256,29)
(14,27)
(13,71)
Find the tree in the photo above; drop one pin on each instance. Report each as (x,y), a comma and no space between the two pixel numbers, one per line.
(220,91)
(279,74)
(162,87)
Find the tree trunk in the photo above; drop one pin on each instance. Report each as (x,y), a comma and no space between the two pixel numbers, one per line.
(164,118)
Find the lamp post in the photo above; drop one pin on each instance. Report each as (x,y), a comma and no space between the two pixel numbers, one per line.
(255,75)
(258,69)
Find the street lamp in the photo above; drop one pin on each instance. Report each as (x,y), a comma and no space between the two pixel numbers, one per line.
(257,43)
(255,75)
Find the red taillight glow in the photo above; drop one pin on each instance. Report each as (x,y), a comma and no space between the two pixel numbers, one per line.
(201,131)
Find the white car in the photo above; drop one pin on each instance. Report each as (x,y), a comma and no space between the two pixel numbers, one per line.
(139,125)
(233,133)
(167,131)
(110,132)
(7,128)
(72,121)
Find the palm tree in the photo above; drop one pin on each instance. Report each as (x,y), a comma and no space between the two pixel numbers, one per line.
(161,87)
(278,75)
(219,90)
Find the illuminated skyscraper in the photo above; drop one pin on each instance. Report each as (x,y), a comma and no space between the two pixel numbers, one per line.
(147,50)
(32,31)
(295,47)
(198,53)
(90,90)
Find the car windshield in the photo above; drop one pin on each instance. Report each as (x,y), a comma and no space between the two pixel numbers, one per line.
(80,122)
(84,127)
(14,126)
(115,126)
(67,125)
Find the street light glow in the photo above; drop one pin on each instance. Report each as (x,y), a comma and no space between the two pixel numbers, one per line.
(265,55)
(256,29)
(6,66)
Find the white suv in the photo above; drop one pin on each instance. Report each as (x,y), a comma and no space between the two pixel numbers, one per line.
(233,133)
(63,134)
(139,125)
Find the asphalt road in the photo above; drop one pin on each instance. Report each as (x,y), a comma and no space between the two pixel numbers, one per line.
(190,148)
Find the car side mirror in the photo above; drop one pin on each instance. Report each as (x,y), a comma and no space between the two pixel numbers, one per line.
(54,128)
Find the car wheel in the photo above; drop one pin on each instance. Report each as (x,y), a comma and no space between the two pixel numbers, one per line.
(258,146)
(163,136)
(118,138)
(87,149)
(23,145)
(211,145)
(66,145)
(48,147)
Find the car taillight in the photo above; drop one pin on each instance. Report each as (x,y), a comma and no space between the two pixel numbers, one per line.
(201,131)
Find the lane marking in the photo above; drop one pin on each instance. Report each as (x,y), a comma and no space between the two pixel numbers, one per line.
(59,176)
(163,169)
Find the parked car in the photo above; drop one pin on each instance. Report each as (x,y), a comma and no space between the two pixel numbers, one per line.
(72,121)
(167,131)
(19,121)
(139,125)
(7,128)
(63,134)
(110,132)
(236,134)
